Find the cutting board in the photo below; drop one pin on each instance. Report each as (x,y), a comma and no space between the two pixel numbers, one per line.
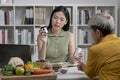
(50,76)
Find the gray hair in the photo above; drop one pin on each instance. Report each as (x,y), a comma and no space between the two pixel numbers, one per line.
(102,21)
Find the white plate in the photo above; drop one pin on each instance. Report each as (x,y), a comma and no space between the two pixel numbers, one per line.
(65,64)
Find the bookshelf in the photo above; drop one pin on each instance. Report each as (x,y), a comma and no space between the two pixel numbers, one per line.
(83,36)
(19,24)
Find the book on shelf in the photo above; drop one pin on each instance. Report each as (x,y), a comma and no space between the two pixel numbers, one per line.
(3,36)
(26,16)
(44,16)
(6,1)
(80,36)
(84,36)
(23,36)
(81,17)
(87,16)
(19,37)
(2,19)
(29,37)
(6,17)
(40,16)
(37,16)
(16,36)
(10,36)
(11,17)
(29,16)
(84,16)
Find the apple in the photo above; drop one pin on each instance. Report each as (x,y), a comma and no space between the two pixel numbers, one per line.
(19,70)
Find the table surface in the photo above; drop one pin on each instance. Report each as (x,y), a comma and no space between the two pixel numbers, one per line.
(72,74)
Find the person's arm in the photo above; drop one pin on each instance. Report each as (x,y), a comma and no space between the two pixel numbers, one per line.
(71,48)
(41,42)
(92,67)
(41,50)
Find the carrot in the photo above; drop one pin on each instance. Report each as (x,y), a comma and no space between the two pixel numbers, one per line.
(41,71)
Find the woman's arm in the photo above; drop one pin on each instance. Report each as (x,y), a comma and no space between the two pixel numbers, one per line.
(41,50)
(71,48)
(41,42)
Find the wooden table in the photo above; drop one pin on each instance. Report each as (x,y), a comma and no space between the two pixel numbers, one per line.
(50,76)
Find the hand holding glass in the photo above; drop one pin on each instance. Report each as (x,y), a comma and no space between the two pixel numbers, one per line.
(78,55)
(43,30)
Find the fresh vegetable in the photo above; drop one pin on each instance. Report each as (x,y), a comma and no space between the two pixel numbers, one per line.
(15,61)
(29,66)
(8,70)
(41,71)
(19,70)
(16,66)
(27,72)
(37,65)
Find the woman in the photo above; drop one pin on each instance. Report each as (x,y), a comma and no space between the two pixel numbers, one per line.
(104,55)
(58,45)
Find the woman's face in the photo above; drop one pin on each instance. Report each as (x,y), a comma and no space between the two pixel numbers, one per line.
(58,20)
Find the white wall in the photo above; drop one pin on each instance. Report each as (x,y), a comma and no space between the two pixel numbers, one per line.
(65,1)
(119,17)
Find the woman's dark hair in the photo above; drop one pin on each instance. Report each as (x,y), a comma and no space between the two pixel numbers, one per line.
(67,16)
(105,30)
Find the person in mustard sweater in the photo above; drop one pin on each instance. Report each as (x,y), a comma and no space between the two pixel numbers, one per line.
(104,55)
(58,45)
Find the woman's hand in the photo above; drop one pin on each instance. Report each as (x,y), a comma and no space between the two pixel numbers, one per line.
(78,55)
(80,65)
(42,36)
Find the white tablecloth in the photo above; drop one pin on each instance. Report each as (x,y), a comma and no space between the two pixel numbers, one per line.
(72,74)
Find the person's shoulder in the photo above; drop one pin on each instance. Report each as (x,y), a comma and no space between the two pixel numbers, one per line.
(71,35)
(94,48)
(97,47)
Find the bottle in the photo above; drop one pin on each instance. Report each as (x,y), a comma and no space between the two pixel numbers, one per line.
(45,30)
(78,54)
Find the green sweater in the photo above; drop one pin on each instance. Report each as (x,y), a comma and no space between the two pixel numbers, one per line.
(57,46)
